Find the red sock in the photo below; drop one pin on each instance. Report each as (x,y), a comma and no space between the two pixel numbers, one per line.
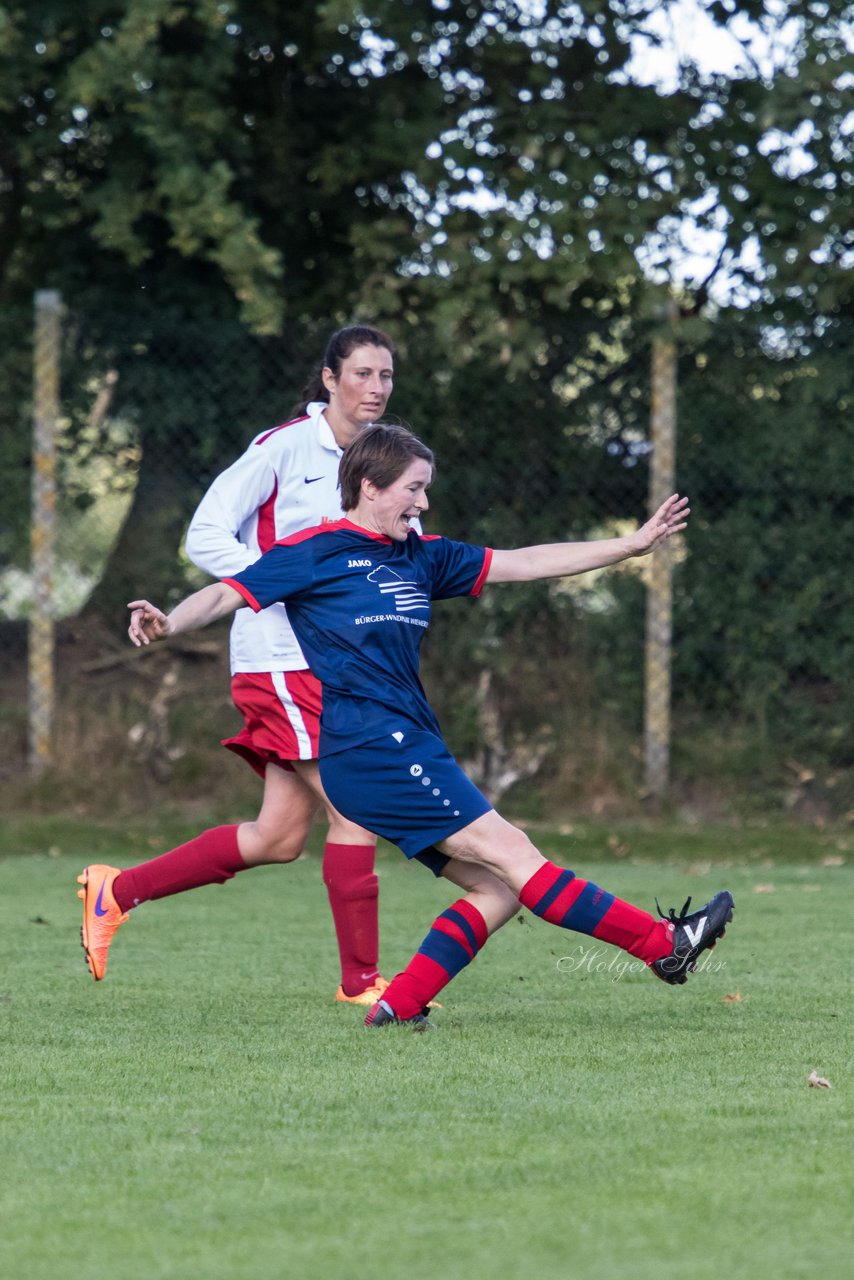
(212,858)
(348,873)
(562,898)
(453,942)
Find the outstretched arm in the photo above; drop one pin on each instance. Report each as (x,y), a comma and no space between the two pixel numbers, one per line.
(148,623)
(565,559)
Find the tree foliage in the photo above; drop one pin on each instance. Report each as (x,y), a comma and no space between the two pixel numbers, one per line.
(506,189)
(769,629)
(262,152)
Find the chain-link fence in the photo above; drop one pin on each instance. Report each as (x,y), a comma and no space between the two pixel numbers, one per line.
(146,413)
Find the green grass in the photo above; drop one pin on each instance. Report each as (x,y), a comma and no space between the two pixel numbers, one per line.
(209,1111)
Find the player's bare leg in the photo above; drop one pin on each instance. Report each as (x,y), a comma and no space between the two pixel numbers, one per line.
(279,833)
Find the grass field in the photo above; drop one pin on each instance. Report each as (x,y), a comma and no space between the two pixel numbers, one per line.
(208,1111)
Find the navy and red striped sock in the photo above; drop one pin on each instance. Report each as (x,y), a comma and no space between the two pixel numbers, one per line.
(211,858)
(562,898)
(454,940)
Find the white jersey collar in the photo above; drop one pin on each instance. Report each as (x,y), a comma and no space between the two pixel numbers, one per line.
(325,434)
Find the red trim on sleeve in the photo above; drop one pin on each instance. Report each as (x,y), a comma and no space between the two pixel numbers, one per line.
(243,591)
(481,577)
(281,427)
(267,519)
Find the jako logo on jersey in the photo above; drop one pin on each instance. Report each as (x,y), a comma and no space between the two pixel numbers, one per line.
(407,595)
(359,564)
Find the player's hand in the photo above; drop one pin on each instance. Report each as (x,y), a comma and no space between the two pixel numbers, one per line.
(671,517)
(147,623)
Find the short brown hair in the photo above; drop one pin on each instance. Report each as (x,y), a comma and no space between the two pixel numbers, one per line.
(380,453)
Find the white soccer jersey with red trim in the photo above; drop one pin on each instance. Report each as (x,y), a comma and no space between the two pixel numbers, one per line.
(286,481)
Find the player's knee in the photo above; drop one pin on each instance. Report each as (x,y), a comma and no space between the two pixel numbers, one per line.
(514,848)
(285,852)
(270,845)
(514,843)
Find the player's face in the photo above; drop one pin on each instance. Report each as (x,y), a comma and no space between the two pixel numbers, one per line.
(360,393)
(393,509)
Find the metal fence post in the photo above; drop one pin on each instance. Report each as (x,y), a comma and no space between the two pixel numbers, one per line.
(46,356)
(659,597)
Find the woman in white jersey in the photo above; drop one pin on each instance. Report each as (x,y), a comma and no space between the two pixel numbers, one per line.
(286,481)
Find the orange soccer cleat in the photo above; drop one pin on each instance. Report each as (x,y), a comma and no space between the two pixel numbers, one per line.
(101,915)
(372,994)
(369,996)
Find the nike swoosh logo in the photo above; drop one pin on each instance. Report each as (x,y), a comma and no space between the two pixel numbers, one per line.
(99,911)
(312,479)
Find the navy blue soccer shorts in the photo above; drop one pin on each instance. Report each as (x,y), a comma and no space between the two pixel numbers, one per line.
(411,792)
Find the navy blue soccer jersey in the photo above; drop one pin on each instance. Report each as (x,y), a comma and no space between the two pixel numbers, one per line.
(360,604)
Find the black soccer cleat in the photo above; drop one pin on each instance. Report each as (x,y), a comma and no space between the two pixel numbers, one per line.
(693,935)
(382,1015)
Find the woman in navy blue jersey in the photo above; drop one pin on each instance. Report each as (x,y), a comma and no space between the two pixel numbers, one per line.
(359,593)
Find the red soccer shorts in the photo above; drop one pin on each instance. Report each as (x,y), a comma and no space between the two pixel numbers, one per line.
(281,717)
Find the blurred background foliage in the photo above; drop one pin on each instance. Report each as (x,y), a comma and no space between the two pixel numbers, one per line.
(214,186)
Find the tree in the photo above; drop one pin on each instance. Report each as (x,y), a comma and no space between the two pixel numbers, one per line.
(767,621)
(586,173)
(489,180)
(106,165)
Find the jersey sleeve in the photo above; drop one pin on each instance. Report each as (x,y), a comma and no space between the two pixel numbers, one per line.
(213,541)
(281,573)
(458,569)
